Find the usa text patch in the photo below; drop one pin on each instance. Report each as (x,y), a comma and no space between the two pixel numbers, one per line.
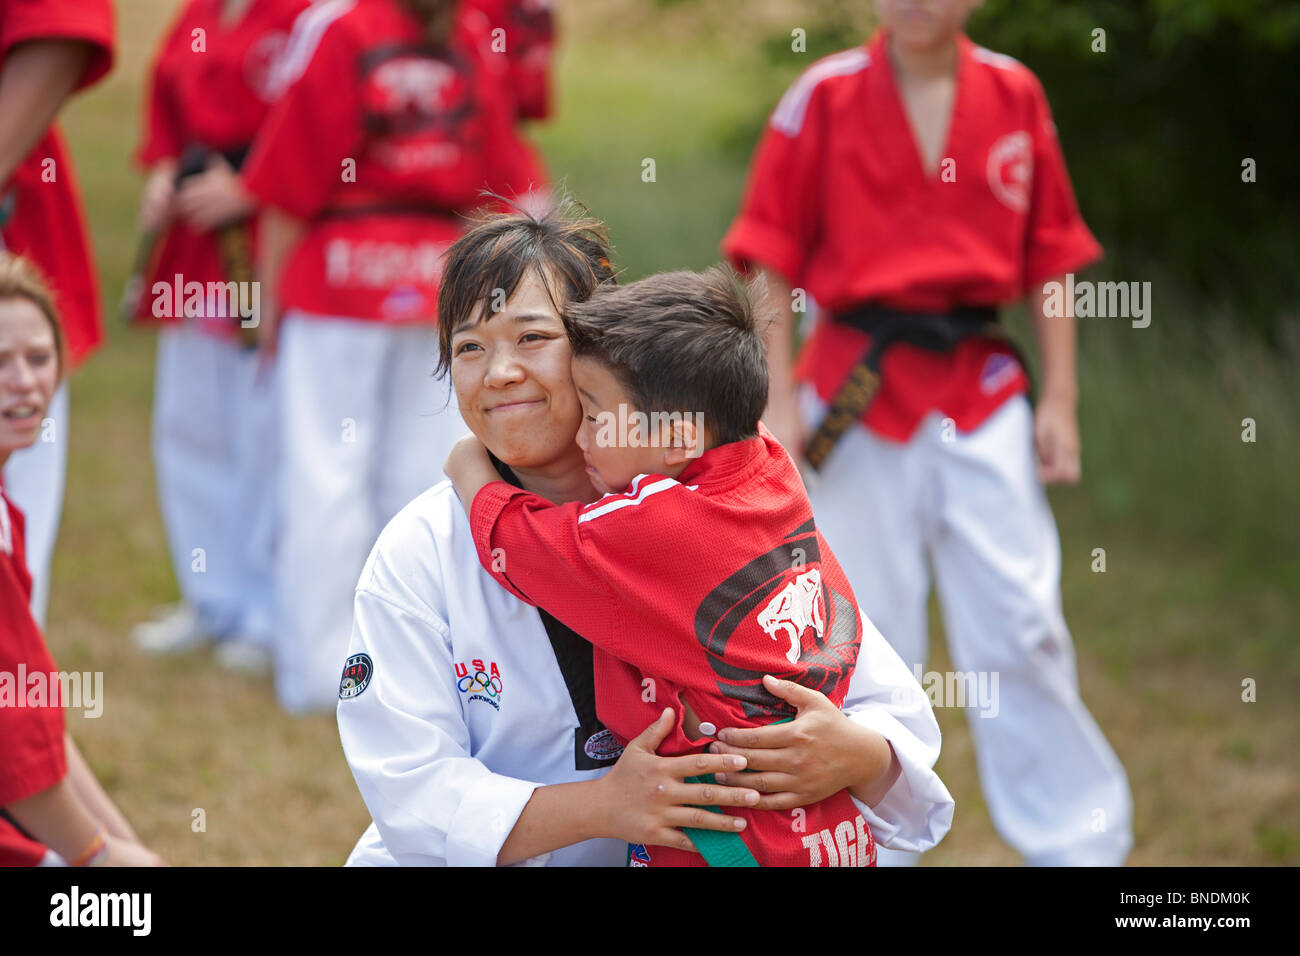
(356,676)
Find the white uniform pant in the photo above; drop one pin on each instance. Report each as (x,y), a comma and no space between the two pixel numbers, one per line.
(1055,789)
(33,479)
(215,455)
(365,428)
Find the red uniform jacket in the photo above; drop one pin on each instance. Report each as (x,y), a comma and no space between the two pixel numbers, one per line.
(215,97)
(380,144)
(31,738)
(527,33)
(48,225)
(839,204)
(691,590)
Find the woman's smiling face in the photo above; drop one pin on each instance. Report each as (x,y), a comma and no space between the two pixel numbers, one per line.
(511,373)
(29,372)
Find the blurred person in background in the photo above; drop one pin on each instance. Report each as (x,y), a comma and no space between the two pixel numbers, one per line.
(397,115)
(213,425)
(911,186)
(52,809)
(49,49)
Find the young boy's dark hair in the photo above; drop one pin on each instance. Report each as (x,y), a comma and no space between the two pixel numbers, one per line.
(680,342)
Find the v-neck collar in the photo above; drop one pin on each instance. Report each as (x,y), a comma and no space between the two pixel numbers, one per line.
(888,87)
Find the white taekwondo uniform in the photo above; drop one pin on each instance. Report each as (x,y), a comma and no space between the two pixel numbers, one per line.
(464,708)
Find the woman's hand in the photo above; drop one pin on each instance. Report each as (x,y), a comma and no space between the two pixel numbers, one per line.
(644,799)
(214,197)
(817,754)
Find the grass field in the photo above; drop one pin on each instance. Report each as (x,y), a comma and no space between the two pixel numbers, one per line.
(1199,528)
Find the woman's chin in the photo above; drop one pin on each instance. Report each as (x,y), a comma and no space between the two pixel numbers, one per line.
(527,451)
(14,438)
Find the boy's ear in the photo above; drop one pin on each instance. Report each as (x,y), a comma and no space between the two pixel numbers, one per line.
(687,439)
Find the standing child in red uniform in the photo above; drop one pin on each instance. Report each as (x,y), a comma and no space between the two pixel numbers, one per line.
(397,115)
(48,50)
(52,810)
(213,413)
(911,186)
(700,570)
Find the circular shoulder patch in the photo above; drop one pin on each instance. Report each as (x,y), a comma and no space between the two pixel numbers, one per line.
(356,676)
(602,745)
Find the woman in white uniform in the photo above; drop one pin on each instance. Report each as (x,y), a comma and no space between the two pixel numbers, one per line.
(468,717)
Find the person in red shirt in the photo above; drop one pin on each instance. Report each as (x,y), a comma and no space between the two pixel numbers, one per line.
(49,49)
(52,810)
(524,30)
(911,186)
(701,569)
(396,117)
(213,422)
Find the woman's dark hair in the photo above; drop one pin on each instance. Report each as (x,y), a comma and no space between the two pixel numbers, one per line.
(567,249)
(436,17)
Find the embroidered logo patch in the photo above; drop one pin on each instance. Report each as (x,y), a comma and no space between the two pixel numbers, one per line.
(792,611)
(637,855)
(480,680)
(356,676)
(1011,170)
(602,745)
(999,371)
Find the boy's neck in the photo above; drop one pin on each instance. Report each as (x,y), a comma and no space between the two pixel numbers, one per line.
(919,65)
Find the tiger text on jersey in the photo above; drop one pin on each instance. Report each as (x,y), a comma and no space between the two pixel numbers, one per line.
(849,844)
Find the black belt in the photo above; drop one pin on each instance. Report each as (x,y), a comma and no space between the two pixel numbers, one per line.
(196,156)
(935,331)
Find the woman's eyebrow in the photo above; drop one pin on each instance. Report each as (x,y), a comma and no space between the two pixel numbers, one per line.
(516,319)
(533,317)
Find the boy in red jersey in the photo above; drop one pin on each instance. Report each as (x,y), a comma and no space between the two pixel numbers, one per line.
(911,186)
(49,49)
(701,569)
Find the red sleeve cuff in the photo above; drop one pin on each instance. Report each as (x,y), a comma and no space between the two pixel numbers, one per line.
(32,772)
(749,242)
(90,22)
(1055,254)
(152,154)
(487,506)
(262,184)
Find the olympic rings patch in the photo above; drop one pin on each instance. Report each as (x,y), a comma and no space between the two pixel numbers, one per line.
(480,680)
